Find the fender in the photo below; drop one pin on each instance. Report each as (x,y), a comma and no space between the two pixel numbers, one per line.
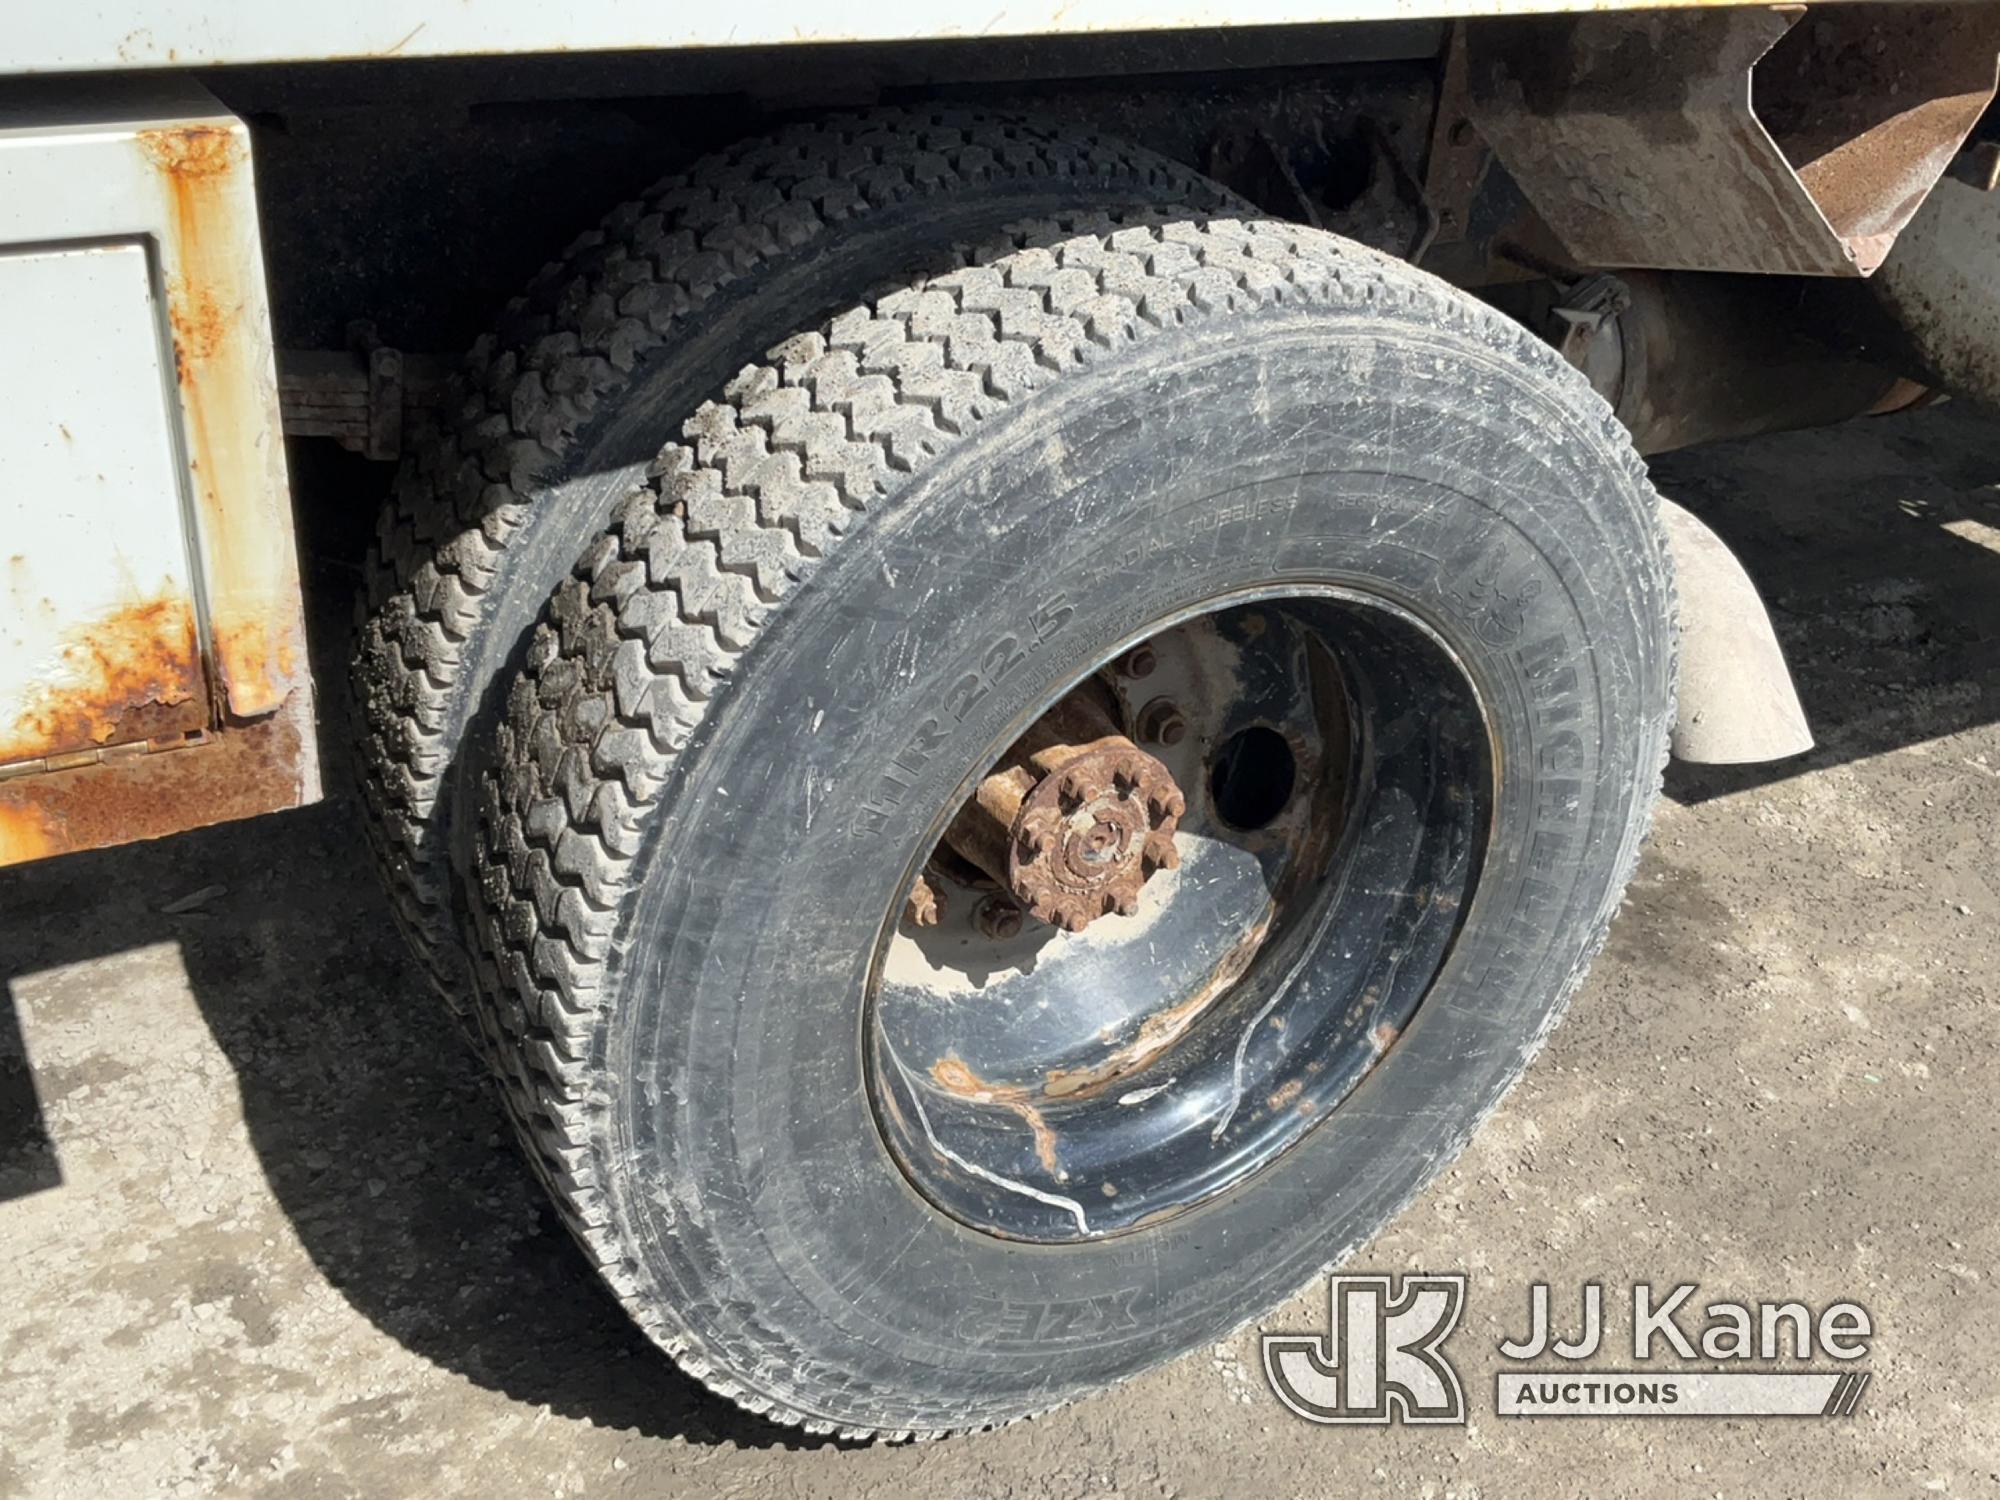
(1737,701)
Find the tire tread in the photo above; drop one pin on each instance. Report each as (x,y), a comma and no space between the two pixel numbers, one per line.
(564,352)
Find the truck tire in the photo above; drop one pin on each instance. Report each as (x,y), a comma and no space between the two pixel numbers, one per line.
(555,416)
(750,710)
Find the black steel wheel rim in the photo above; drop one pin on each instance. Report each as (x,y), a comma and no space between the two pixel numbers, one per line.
(1058,1087)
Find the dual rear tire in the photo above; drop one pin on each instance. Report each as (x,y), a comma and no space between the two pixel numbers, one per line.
(837,592)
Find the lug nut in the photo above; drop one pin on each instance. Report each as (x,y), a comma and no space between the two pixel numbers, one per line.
(1139,662)
(997,917)
(1162,723)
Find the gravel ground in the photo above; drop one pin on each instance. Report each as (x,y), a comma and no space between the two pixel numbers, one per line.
(263,1236)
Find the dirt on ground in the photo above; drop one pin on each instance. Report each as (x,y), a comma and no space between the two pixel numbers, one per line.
(263,1233)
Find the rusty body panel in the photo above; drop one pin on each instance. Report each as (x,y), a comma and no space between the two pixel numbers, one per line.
(1738,140)
(134,676)
(155,678)
(99,637)
(228,383)
(159,789)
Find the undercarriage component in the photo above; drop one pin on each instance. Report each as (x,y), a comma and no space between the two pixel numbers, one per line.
(925,908)
(356,397)
(1941,288)
(1073,820)
(1733,139)
(1737,702)
(1458,157)
(1689,358)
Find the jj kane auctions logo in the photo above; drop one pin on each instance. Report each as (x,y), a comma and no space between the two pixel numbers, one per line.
(1381,1357)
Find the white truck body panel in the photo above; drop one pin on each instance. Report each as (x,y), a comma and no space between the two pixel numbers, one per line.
(153,591)
(201,33)
(89,487)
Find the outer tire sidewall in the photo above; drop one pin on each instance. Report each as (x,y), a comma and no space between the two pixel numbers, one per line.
(738,1145)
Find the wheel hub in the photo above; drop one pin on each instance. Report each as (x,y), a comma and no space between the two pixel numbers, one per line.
(1072,821)
(1086,840)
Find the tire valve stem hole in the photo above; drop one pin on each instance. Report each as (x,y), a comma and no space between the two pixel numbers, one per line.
(1252,777)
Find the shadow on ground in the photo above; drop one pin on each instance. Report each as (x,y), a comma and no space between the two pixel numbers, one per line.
(1879,548)
(373,1123)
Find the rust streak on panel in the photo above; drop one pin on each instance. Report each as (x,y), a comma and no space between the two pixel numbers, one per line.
(258,653)
(190,158)
(227,398)
(134,674)
(253,768)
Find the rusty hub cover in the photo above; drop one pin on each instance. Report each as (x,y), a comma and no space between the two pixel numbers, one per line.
(1087,837)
